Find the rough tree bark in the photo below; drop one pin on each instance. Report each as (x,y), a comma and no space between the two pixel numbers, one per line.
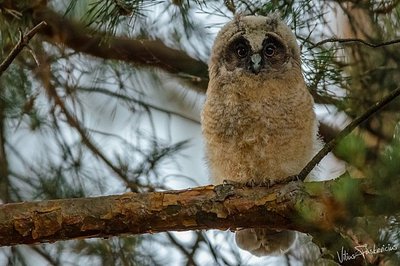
(219,207)
(306,207)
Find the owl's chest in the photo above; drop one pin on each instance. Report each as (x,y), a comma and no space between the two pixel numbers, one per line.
(252,120)
(244,119)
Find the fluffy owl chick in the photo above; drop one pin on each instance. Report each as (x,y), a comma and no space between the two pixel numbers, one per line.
(258,120)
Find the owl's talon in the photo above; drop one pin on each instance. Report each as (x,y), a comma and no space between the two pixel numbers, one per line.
(236,184)
(265,183)
(250,183)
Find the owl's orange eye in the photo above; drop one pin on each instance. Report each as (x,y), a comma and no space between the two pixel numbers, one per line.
(241,50)
(269,50)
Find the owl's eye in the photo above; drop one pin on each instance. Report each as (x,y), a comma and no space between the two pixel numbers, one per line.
(241,50)
(269,50)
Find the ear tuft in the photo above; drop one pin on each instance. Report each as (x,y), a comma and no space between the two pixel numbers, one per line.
(273,19)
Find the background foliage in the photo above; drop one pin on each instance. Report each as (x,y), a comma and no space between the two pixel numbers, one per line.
(107,98)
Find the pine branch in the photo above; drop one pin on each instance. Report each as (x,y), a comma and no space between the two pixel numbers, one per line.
(346,131)
(45,75)
(23,41)
(4,162)
(4,168)
(144,52)
(139,213)
(306,207)
(354,40)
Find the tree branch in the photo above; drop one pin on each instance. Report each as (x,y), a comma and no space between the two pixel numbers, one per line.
(153,53)
(307,207)
(45,76)
(331,144)
(23,41)
(354,40)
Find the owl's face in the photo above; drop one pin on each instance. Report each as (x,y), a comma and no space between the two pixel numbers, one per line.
(256,45)
(270,53)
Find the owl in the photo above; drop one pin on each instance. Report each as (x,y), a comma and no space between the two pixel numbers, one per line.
(258,120)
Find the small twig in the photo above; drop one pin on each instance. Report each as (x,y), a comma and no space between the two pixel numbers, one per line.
(331,144)
(386,8)
(230,5)
(32,52)
(16,14)
(23,41)
(86,140)
(354,40)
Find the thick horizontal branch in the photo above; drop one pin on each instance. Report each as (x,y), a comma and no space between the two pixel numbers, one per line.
(220,207)
(304,207)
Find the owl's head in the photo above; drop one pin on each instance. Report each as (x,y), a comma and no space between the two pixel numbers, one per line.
(255,45)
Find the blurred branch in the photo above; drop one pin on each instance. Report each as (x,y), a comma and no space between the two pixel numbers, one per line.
(386,7)
(49,259)
(4,168)
(85,137)
(230,5)
(189,255)
(307,207)
(128,98)
(327,132)
(23,41)
(4,171)
(152,53)
(45,75)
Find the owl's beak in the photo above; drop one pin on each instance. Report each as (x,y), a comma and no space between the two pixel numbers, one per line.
(256,63)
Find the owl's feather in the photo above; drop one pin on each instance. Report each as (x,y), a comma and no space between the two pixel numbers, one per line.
(258,126)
